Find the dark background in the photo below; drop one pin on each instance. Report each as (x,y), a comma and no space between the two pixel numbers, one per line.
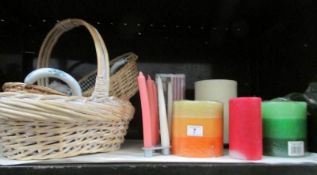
(268,46)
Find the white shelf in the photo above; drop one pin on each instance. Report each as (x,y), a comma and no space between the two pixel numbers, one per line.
(131,152)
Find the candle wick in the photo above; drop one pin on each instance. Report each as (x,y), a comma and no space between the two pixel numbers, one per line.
(149,77)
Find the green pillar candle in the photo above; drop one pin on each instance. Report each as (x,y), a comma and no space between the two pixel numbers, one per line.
(284,128)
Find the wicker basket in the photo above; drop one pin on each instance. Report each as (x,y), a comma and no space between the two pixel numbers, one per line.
(123,83)
(36,126)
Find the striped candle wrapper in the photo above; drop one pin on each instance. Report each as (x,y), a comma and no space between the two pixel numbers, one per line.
(174,86)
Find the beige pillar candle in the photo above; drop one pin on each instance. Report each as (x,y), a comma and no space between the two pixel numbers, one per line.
(217,90)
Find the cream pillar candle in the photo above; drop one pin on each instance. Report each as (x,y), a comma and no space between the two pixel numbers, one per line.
(217,90)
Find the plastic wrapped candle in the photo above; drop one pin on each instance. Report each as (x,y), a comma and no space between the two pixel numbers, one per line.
(284,128)
(245,128)
(197,128)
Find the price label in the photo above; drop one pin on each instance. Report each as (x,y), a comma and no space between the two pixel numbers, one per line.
(195,130)
(296,148)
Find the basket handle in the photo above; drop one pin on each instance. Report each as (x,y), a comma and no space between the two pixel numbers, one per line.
(103,77)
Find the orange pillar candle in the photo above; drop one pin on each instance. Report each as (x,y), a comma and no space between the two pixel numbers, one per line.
(197,128)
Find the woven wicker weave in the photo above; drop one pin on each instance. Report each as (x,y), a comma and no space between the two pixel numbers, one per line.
(36,126)
(123,83)
(18,87)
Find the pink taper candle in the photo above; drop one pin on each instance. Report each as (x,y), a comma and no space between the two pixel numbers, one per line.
(154,114)
(146,116)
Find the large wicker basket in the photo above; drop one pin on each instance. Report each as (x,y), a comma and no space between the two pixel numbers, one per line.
(36,126)
(123,83)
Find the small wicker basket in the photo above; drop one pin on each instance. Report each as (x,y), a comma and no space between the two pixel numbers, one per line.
(123,83)
(37,126)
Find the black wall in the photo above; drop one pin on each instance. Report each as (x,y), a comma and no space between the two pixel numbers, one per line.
(269,47)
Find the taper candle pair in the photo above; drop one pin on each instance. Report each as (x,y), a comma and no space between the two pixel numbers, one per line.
(153,115)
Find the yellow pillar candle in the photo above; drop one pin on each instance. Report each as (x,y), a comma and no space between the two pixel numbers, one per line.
(197,128)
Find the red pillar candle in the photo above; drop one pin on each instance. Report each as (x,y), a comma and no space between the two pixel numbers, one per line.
(245,128)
